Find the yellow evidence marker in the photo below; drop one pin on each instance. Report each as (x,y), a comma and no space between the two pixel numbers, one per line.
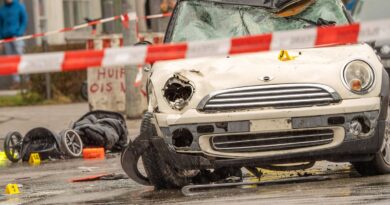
(34,159)
(285,56)
(3,157)
(12,189)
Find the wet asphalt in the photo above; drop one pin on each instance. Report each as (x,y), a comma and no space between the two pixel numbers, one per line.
(51,182)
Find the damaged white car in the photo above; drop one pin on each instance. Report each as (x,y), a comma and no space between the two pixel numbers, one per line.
(209,118)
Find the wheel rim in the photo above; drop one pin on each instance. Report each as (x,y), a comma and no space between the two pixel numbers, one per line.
(14,146)
(386,147)
(73,142)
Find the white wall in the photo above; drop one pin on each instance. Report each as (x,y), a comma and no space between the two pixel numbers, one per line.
(55,20)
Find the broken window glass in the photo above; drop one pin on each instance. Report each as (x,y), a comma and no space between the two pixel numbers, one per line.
(203,20)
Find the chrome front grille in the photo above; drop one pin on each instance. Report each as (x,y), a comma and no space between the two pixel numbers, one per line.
(272,141)
(276,96)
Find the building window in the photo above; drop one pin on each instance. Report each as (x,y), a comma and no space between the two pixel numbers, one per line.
(75,12)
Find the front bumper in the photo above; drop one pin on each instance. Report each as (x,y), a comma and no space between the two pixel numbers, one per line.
(349,148)
(267,121)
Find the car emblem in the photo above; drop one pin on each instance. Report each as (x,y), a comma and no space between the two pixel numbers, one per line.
(266,78)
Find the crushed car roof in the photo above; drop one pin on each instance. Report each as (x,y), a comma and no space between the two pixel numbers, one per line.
(271,4)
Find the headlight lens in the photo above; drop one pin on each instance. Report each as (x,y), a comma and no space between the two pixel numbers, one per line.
(359,76)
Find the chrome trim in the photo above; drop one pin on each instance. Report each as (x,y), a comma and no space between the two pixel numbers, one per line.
(257,90)
(269,92)
(268,97)
(370,87)
(268,103)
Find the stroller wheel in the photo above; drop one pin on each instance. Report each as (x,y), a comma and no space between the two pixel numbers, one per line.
(71,144)
(13,146)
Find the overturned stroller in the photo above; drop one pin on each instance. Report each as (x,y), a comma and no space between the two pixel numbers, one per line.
(95,129)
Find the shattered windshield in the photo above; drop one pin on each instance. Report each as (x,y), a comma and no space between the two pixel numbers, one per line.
(204,20)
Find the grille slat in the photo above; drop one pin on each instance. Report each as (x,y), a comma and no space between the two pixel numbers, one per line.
(274,103)
(268,98)
(272,141)
(277,96)
(270,92)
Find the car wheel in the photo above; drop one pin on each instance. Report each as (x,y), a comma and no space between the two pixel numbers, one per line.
(13,146)
(381,162)
(71,144)
(160,174)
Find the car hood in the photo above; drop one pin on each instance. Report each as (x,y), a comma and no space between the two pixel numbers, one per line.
(317,65)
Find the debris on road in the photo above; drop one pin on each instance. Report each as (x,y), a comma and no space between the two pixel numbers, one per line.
(102,129)
(100,177)
(87,169)
(194,190)
(94,153)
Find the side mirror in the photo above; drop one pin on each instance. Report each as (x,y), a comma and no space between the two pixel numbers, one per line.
(147,68)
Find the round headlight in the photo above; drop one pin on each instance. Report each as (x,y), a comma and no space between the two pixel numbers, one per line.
(358,76)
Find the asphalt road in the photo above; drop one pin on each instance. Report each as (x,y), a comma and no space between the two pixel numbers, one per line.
(50,183)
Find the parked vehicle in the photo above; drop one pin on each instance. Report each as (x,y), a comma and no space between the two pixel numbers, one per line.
(214,116)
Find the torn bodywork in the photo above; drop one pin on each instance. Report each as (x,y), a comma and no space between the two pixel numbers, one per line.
(178,91)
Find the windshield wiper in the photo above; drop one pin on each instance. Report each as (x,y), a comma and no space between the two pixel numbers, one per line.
(320,21)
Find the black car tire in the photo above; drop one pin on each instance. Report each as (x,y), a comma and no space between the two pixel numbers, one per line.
(160,174)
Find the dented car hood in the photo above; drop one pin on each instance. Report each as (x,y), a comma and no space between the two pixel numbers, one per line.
(316,65)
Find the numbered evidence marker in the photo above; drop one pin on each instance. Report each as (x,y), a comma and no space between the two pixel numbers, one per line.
(34,159)
(12,189)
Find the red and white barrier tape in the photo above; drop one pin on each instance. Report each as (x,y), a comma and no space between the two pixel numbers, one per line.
(306,38)
(124,18)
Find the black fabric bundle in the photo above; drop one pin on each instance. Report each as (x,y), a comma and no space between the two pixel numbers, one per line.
(103,129)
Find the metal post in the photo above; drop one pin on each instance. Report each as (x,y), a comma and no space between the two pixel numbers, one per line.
(45,47)
(134,101)
(47,75)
